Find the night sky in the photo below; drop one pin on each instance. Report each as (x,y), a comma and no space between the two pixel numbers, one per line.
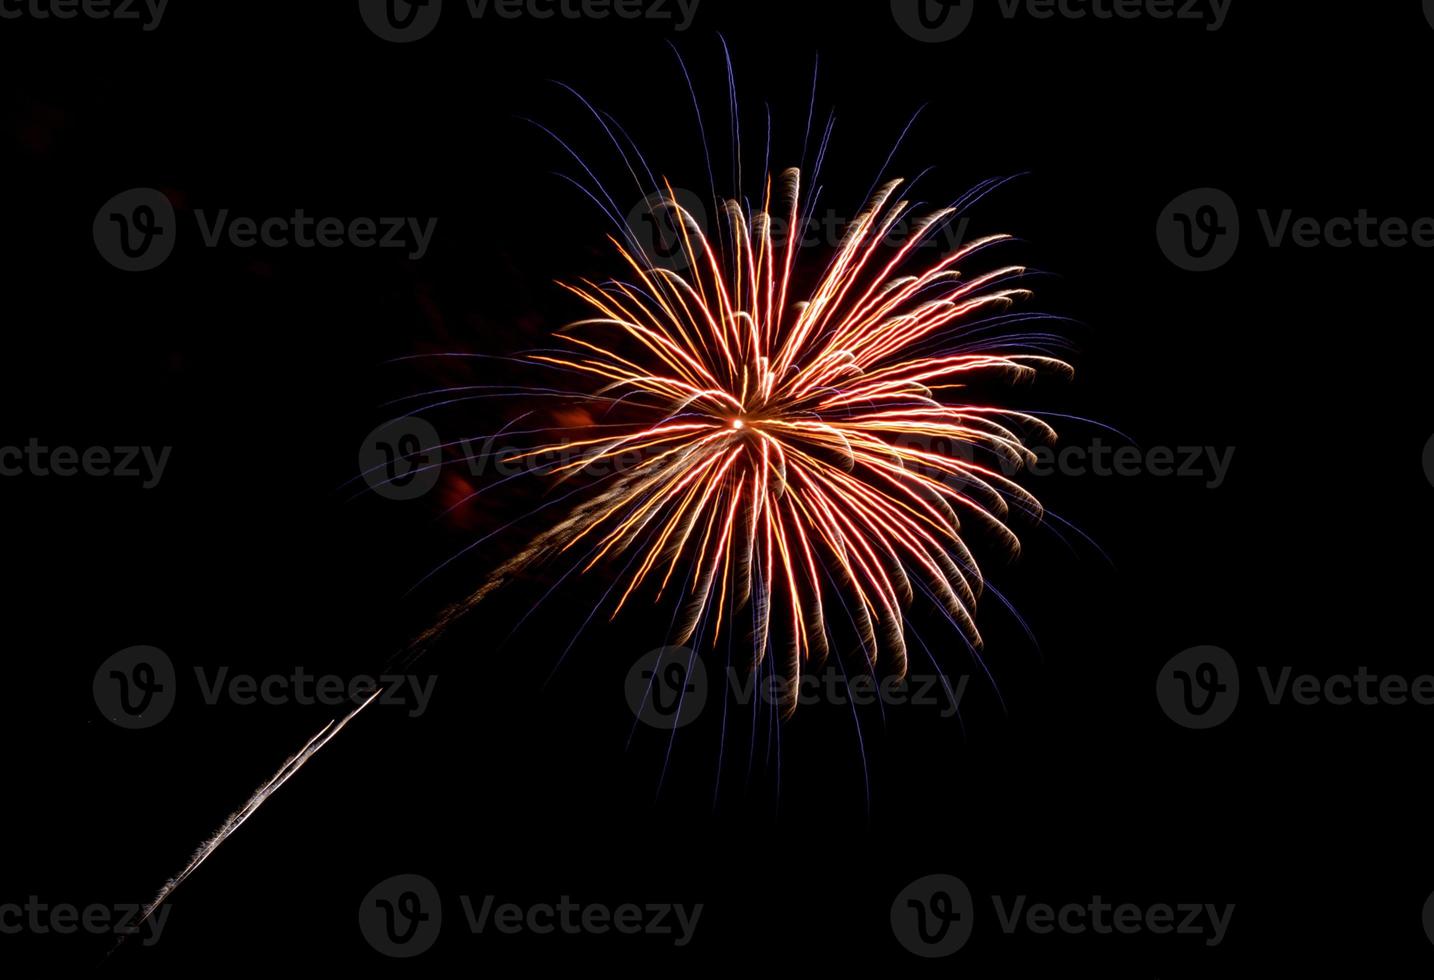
(1249,474)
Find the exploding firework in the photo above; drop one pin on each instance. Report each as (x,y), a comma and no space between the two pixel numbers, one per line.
(790,451)
(807,447)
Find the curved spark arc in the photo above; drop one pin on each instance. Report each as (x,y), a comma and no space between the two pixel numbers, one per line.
(237,819)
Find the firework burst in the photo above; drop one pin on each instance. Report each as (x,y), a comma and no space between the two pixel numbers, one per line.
(791,450)
(807,445)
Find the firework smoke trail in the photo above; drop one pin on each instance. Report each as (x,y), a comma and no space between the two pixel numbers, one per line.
(236,819)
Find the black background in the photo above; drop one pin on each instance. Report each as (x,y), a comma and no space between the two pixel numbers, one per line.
(265,370)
